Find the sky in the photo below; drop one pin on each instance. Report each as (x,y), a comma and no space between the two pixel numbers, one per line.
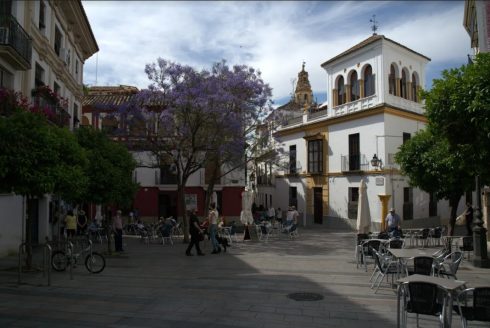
(274,37)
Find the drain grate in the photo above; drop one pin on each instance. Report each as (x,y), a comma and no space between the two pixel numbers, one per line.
(305,296)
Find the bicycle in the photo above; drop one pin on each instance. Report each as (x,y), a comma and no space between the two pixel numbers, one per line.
(94,262)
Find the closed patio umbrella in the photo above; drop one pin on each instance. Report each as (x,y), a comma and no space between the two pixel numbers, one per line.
(363,215)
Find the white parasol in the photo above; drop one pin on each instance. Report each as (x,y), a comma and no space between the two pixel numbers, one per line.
(363,215)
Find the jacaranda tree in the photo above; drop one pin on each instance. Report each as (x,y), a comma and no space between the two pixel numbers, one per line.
(192,118)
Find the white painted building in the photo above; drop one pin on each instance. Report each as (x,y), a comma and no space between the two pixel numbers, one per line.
(373,107)
(41,43)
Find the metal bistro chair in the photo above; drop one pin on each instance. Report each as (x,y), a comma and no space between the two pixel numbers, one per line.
(421,265)
(473,305)
(449,265)
(367,248)
(384,266)
(423,236)
(424,298)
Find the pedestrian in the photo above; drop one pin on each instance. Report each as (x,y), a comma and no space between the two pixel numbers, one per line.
(392,223)
(70,224)
(196,234)
(81,222)
(117,226)
(213,228)
(272,213)
(279,215)
(469,218)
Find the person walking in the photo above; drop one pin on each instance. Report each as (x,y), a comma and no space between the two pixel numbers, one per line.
(117,226)
(70,224)
(196,234)
(213,228)
(469,218)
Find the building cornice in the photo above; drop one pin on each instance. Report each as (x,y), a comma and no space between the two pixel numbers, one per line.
(380,109)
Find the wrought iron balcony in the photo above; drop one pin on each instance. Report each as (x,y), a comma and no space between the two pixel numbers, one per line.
(354,162)
(53,110)
(15,43)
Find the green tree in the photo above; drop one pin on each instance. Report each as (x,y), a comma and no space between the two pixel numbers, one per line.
(37,158)
(109,172)
(434,167)
(458,108)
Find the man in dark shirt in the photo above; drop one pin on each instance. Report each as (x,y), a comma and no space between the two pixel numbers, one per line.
(195,232)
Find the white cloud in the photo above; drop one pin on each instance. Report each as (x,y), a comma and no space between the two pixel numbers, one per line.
(274,37)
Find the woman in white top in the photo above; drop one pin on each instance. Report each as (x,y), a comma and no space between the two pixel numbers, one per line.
(213,227)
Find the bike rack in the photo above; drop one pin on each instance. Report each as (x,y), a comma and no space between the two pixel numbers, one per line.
(47,254)
(21,247)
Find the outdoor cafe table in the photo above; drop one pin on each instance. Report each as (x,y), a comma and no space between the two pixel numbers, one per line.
(448,241)
(406,253)
(452,286)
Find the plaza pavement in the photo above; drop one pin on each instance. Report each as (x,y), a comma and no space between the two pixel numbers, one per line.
(158,286)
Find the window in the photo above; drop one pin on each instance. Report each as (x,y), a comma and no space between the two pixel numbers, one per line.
(56,88)
(415,88)
(406,137)
(75,115)
(369,88)
(6,79)
(293,197)
(57,40)
(354,152)
(39,76)
(432,205)
(403,85)
(168,174)
(292,159)
(6,7)
(392,81)
(76,67)
(353,194)
(407,203)
(340,91)
(42,14)
(315,155)
(354,87)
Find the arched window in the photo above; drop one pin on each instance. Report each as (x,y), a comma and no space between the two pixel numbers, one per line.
(341,91)
(392,80)
(369,78)
(354,87)
(414,88)
(403,85)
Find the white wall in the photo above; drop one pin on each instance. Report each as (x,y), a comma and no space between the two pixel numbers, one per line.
(11,223)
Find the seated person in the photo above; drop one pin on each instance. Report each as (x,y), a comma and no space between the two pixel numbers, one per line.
(93,227)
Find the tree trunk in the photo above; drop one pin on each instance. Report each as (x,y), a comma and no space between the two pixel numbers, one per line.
(453,203)
(181,192)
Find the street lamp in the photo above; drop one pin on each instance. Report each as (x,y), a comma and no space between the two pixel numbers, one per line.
(375,162)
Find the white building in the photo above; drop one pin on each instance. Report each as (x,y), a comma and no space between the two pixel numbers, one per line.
(42,43)
(373,107)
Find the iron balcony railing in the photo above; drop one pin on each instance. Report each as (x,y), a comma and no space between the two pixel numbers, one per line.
(12,35)
(54,112)
(354,162)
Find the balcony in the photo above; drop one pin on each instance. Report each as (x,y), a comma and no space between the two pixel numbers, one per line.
(354,163)
(50,105)
(15,43)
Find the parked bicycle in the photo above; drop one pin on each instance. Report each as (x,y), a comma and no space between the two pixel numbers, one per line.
(94,262)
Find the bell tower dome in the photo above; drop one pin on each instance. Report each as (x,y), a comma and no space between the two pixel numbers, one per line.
(303,95)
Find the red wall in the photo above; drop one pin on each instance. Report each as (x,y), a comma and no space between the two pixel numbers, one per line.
(232,201)
(146,201)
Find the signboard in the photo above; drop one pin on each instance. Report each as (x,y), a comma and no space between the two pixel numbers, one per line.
(190,201)
(380,181)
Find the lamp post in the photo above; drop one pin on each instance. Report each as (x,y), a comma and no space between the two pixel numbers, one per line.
(479,233)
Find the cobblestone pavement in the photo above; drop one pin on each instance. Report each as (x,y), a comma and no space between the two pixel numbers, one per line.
(158,286)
